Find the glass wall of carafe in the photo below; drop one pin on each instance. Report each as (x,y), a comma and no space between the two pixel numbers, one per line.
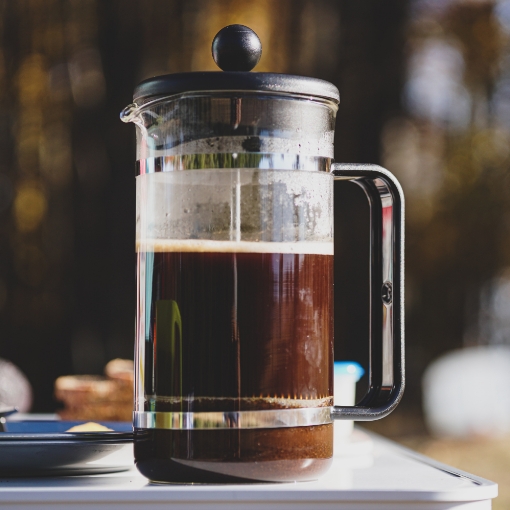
(234,241)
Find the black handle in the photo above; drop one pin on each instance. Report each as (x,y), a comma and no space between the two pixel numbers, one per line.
(386,367)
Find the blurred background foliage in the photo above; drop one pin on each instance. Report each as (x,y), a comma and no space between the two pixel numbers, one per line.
(67,204)
(425,91)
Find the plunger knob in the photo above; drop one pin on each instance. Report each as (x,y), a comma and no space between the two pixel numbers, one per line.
(236,48)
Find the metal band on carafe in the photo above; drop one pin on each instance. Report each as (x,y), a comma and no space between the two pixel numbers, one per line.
(263,161)
(266,419)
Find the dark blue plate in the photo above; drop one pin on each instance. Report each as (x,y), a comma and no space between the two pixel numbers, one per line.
(43,448)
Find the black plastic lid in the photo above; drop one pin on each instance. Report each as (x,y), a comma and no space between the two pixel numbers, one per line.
(169,84)
(236,49)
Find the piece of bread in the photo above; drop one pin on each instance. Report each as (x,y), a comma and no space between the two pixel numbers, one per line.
(88,397)
(76,390)
(120,370)
(90,426)
(105,411)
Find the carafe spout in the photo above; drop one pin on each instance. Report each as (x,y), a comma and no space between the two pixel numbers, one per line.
(130,113)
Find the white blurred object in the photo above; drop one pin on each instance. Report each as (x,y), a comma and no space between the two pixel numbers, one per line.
(15,390)
(346,375)
(466,392)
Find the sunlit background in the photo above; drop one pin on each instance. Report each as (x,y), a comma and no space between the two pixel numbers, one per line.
(425,91)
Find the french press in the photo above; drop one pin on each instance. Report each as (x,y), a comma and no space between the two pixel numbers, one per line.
(234,243)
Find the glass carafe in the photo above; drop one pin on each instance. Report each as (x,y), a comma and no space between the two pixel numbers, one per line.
(234,241)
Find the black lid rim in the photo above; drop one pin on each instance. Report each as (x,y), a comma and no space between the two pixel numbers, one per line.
(178,83)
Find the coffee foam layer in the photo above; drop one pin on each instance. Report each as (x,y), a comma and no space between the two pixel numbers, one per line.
(209,246)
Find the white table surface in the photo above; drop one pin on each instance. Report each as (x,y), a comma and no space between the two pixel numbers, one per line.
(367,473)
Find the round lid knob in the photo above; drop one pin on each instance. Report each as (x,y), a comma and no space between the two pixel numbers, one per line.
(236,48)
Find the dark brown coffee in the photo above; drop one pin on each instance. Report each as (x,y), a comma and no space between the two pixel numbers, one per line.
(222,456)
(234,327)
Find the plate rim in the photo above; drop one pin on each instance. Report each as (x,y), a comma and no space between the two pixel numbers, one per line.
(67,437)
(103,436)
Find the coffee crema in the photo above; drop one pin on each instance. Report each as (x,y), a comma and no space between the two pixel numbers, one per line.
(219,246)
(232,326)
